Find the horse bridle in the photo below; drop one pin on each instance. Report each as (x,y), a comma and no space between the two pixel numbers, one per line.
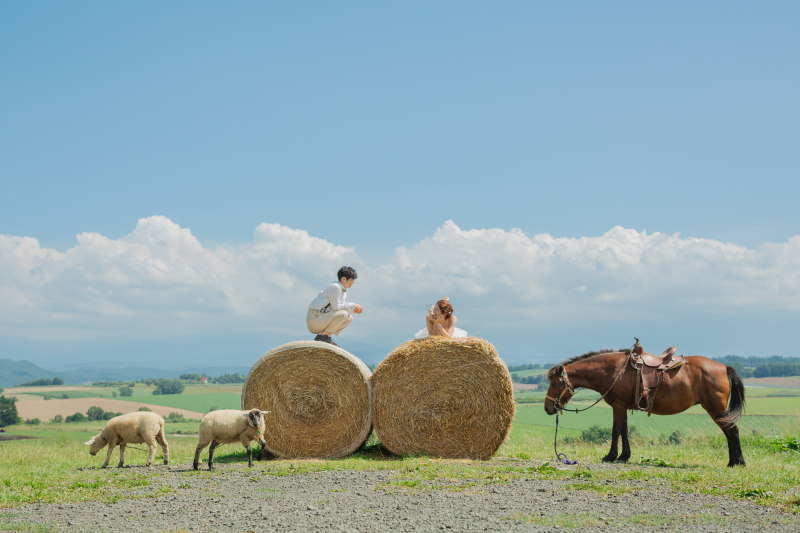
(563,386)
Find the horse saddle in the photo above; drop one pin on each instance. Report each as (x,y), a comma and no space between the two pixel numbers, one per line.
(650,370)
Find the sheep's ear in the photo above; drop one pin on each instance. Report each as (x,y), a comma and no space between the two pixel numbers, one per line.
(265,412)
(89,443)
(246,415)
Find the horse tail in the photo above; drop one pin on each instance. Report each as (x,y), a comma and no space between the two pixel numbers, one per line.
(736,400)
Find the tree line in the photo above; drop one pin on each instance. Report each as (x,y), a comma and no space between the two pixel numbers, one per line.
(536,366)
(43,382)
(763,367)
(533,380)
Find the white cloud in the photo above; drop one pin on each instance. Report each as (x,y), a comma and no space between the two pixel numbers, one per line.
(161,279)
(160,276)
(625,272)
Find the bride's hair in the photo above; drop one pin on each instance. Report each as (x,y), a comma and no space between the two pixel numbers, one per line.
(446,308)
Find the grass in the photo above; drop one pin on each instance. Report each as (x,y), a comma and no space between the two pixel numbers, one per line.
(80,432)
(26,527)
(65,471)
(57,468)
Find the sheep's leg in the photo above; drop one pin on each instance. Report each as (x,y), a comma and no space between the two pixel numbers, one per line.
(108,457)
(211,449)
(249,455)
(164,446)
(263,451)
(151,446)
(121,455)
(197,452)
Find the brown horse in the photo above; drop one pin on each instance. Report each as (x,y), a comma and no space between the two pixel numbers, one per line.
(700,381)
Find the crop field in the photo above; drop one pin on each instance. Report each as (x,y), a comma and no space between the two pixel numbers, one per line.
(787,381)
(195,400)
(47,409)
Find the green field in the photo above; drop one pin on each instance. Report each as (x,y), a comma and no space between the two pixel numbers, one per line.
(769,410)
(195,398)
(202,403)
(533,372)
(531,420)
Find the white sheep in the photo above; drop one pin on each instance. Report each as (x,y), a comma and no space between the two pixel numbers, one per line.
(229,425)
(133,428)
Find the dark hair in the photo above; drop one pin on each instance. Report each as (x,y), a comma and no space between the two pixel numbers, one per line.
(347,273)
(446,308)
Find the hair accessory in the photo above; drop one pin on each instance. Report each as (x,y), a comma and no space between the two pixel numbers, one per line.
(446,299)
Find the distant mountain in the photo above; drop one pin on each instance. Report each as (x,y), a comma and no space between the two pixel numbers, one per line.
(15,372)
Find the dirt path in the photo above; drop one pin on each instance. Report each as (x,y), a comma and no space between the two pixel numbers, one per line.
(235,498)
(47,409)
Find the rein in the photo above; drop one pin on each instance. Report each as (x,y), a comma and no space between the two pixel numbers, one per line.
(559,456)
(564,382)
(566,386)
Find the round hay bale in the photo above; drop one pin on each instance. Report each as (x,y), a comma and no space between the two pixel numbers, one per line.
(443,397)
(319,397)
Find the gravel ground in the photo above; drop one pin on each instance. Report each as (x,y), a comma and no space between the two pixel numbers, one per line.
(235,498)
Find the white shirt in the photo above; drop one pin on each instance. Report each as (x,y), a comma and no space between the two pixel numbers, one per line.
(334,294)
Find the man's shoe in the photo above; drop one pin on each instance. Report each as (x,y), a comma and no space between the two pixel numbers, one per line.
(325,338)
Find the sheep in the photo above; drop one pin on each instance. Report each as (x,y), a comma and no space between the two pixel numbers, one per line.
(229,425)
(133,428)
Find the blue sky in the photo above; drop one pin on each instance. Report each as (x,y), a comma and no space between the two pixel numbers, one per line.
(371,126)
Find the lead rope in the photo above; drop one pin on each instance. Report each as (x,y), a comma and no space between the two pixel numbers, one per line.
(559,456)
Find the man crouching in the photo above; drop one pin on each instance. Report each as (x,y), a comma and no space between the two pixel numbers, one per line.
(330,313)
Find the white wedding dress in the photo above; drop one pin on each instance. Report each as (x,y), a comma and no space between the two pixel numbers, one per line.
(457,333)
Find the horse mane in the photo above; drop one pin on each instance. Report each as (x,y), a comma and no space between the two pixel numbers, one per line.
(588,355)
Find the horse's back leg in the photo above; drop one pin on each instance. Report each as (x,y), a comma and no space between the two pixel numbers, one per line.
(730,430)
(716,405)
(735,456)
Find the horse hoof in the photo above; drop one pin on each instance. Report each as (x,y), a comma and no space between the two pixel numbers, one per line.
(609,459)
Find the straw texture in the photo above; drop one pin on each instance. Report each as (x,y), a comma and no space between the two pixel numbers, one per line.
(319,396)
(443,397)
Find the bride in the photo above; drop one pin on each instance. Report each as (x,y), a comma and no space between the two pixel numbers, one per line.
(441,321)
